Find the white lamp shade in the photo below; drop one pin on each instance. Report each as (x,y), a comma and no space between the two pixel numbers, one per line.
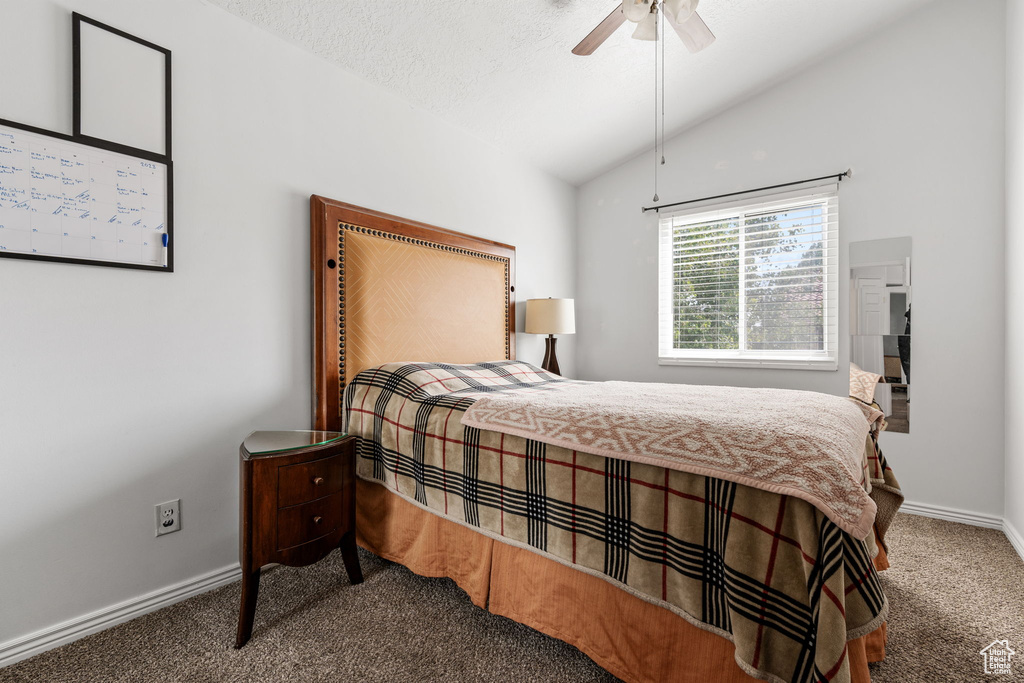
(679,10)
(648,28)
(550,316)
(636,10)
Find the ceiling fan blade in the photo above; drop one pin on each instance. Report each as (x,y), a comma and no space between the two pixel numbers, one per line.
(694,32)
(601,33)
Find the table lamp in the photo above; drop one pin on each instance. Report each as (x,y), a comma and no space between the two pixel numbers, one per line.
(550,317)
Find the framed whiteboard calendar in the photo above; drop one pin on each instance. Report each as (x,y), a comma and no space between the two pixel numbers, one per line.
(61,200)
(102,195)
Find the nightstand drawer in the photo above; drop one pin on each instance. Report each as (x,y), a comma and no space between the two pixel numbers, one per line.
(310,480)
(304,523)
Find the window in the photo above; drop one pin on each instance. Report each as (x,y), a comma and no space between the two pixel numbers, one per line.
(751,283)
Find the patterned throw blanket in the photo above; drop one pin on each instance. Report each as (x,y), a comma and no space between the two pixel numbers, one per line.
(769,572)
(798,443)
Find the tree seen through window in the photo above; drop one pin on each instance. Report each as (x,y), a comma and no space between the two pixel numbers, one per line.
(751,282)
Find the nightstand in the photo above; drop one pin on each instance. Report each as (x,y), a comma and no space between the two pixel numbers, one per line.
(297,505)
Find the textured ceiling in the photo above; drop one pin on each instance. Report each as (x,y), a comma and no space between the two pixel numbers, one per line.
(504,71)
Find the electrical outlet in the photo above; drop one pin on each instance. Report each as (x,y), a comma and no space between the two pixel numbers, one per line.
(168,517)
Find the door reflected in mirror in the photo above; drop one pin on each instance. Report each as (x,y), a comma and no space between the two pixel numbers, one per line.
(880,309)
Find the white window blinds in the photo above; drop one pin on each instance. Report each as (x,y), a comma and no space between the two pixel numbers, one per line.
(752,283)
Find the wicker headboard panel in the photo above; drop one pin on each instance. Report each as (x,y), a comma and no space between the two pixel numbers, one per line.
(388,289)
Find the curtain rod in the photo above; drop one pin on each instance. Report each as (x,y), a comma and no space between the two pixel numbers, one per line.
(848,173)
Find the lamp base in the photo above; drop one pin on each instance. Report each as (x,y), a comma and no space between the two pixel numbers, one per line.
(550,361)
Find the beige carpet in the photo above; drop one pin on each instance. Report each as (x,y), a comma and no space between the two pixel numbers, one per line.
(953,589)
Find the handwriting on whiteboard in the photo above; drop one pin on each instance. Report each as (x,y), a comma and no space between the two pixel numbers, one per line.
(61,198)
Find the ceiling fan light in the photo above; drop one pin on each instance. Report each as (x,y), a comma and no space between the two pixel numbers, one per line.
(636,10)
(694,33)
(648,28)
(680,10)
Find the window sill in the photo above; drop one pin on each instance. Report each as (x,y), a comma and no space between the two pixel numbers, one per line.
(828,365)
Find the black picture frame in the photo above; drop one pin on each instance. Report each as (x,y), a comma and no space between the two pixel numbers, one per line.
(110,146)
(76,104)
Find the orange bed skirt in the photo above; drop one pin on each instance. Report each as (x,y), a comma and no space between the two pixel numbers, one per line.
(633,639)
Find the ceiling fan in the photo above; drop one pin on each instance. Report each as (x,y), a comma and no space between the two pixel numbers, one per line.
(681,15)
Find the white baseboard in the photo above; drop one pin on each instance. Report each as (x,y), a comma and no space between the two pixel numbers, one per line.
(952,515)
(54,636)
(1016,540)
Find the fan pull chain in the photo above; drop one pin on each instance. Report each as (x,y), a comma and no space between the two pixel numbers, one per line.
(663,40)
(654,8)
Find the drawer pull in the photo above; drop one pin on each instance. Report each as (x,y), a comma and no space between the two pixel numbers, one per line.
(317,520)
(318,481)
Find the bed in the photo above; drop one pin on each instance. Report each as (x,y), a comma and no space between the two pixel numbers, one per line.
(656,573)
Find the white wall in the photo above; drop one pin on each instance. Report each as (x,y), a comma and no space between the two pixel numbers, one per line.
(1014,472)
(122,389)
(918,112)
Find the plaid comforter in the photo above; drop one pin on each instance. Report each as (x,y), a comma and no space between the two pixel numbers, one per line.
(767,571)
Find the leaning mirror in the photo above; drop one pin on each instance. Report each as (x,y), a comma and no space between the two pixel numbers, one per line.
(880,305)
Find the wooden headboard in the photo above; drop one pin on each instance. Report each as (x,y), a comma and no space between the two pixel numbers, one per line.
(388,289)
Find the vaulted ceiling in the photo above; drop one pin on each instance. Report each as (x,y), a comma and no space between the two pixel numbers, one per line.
(504,71)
